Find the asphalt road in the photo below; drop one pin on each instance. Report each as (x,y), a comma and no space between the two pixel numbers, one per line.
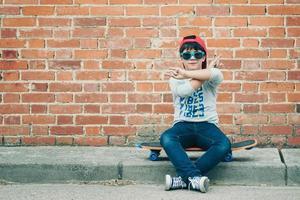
(132,191)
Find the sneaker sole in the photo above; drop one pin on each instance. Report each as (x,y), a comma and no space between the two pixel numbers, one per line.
(204,184)
(168,183)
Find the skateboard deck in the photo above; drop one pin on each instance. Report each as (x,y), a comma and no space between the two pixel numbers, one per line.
(155,149)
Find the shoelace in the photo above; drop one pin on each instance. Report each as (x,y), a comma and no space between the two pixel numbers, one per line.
(177,182)
(195,182)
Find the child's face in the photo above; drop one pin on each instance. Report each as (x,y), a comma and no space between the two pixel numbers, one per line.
(193,63)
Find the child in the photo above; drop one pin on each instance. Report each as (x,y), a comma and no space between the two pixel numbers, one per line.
(195,119)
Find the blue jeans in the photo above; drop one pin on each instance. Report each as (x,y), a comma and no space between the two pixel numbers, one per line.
(190,134)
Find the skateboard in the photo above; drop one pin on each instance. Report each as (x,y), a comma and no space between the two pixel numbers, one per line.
(155,149)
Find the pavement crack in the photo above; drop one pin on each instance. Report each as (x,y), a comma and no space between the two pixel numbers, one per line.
(285,166)
(120,170)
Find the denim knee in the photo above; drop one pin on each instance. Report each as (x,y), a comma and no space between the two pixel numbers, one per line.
(224,146)
(165,139)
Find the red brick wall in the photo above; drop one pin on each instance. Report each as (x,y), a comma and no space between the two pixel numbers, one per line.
(91,72)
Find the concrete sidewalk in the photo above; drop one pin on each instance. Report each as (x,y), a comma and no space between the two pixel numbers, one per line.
(265,166)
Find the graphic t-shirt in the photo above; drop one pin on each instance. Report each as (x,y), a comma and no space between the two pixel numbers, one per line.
(196,105)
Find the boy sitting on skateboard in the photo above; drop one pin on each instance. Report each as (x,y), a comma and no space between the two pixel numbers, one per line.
(194,88)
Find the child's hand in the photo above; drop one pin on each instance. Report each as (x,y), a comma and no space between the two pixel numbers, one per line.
(215,63)
(176,72)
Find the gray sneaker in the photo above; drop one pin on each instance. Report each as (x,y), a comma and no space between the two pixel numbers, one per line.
(199,183)
(173,183)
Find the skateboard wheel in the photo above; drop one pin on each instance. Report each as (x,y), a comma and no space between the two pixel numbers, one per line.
(228,157)
(154,155)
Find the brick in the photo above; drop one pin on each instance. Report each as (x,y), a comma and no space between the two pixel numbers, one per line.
(90,1)
(249,108)
(14,141)
(38,97)
(39,130)
(91,75)
(284,10)
(107,11)
(97,21)
(65,64)
(295,141)
(118,109)
(251,97)
(117,140)
(38,10)
(37,75)
(34,33)
(282,43)
(9,54)
(119,43)
(277,108)
(66,130)
(141,32)
(117,120)
(56,2)
(294,97)
(64,98)
(229,108)
(142,10)
(63,120)
(212,10)
(19,22)
(127,2)
(251,76)
(8,33)
(119,130)
(230,87)
(151,98)
(21,1)
(266,21)
(91,98)
(125,22)
(54,22)
(34,54)
(91,141)
(12,43)
(38,119)
(117,87)
(223,43)
(230,21)
(14,130)
(9,10)
(38,109)
(90,54)
(117,64)
(64,109)
(12,120)
(293,21)
(142,75)
(250,32)
(39,86)
(11,98)
(38,140)
(278,87)
(144,54)
(294,75)
(91,120)
(63,43)
(248,10)
(251,119)
(277,130)
(91,109)
(293,32)
(92,131)
(13,87)
(10,76)
(62,10)
(65,87)
(251,53)
(176,10)
(160,1)
(88,32)
(278,64)
(163,108)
